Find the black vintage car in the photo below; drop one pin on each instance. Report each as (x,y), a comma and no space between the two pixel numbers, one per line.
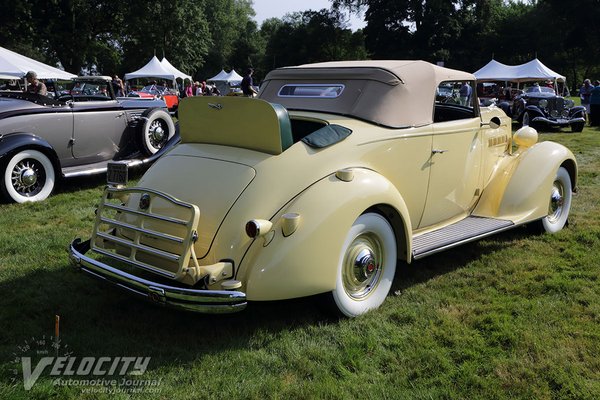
(541,108)
(75,132)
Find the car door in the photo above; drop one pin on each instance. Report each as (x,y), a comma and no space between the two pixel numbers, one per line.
(98,127)
(456,161)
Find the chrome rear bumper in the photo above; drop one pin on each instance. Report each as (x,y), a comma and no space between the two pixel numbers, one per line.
(196,300)
(558,121)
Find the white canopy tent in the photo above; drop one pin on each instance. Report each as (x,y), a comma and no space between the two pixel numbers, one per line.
(15,66)
(225,80)
(234,78)
(154,69)
(169,67)
(221,76)
(532,70)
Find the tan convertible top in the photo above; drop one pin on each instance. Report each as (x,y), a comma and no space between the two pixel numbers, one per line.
(393,93)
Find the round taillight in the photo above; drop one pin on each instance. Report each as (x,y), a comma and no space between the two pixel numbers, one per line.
(258,227)
(252,229)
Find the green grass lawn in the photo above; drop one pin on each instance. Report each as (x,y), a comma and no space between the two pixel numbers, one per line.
(516,316)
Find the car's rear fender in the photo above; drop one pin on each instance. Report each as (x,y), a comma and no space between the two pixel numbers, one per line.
(13,143)
(520,190)
(304,263)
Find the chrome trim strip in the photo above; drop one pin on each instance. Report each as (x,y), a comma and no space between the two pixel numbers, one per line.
(138,264)
(148,232)
(461,242)
(149,250)
(144,214)
(86,172)
(196,300)
(558,121)
(94,171)
(155,192)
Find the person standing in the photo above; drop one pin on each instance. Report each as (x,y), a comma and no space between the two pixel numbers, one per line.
(464,93)
(189,91)
(247,84)
(595,104)
(584,94)
(33,85)
(118,86)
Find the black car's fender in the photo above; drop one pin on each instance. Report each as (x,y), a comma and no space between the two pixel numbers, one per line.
(534,111)
(577,112)
(11,144)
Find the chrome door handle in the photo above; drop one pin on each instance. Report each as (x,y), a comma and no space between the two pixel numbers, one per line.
(119,115)
(438,151)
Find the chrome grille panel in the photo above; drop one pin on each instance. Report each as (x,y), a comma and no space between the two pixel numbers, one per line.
(158,239)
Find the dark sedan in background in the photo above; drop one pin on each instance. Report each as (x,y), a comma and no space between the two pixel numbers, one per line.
(75,132)
(541,108)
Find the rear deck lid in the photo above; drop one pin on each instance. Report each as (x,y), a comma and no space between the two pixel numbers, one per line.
(212,185)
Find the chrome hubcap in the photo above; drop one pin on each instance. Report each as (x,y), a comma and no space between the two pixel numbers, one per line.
(362,266)
(556,202)
(28,177)
(156,134)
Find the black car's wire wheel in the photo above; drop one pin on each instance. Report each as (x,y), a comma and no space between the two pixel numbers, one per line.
(28,176)
(157,129)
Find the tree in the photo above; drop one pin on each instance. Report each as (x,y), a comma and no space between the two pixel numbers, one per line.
(178,30)
(229,27)
(311,36)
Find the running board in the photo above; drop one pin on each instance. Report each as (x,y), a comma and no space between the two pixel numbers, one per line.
(463,231)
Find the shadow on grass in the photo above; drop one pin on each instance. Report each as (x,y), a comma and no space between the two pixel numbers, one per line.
(423,270)
(100,320)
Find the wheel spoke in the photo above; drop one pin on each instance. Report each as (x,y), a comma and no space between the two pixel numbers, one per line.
(28,177)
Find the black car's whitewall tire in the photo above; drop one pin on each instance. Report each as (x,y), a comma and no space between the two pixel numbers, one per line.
(157,129)
(366,266)
(28,176)
(560,203)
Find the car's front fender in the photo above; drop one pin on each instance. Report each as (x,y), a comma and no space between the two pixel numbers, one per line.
(521,186)
(9,144)
(305,262)
(535,110)
(577,112)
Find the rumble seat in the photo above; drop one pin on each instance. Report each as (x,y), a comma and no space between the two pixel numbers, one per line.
(235,121)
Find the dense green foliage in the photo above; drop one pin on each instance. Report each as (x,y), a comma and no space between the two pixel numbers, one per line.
(203,36)
(466,34)
(515,316)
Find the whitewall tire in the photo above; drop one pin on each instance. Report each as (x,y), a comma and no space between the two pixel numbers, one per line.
(366,266)
(157,129)
(28,176)
(560,202)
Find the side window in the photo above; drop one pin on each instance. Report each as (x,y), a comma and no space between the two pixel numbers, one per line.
(454,100)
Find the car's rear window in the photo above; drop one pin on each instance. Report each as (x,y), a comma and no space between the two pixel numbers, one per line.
(317,90)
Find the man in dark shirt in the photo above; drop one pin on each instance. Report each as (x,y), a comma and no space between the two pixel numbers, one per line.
(247,84)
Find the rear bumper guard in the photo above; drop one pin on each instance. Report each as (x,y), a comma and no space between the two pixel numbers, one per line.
(196,300)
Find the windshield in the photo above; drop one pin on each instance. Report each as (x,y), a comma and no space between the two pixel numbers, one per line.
(539,89)
(96,88)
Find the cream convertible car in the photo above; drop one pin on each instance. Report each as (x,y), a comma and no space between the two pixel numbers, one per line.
(321,185)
